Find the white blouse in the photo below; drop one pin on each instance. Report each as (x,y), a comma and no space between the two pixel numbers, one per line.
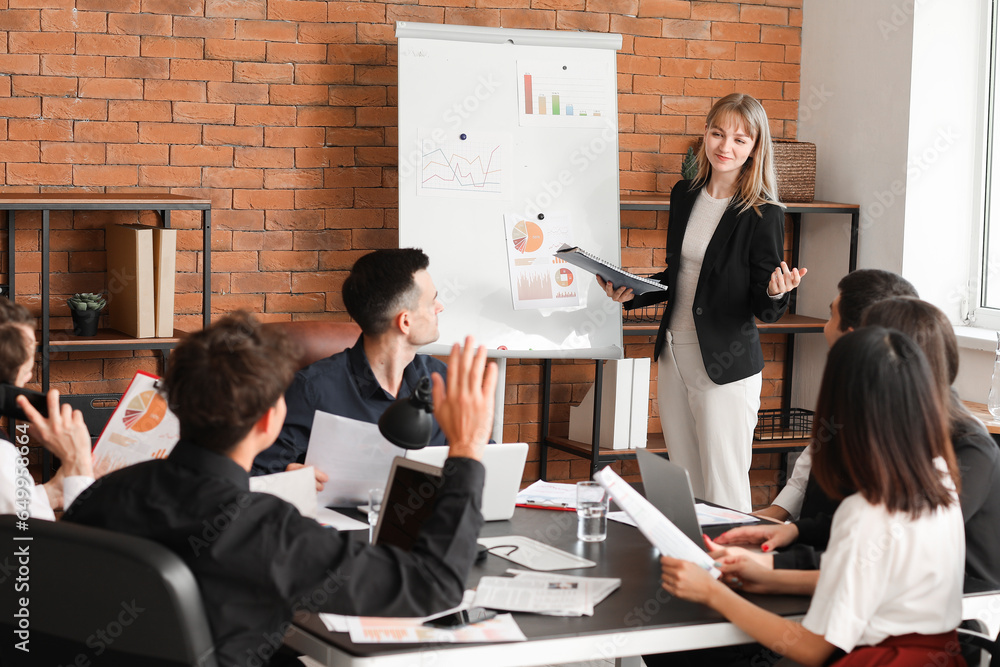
(885,574)
(36,498)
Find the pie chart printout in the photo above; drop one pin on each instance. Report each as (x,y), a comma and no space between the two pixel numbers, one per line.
(527,237)
(145,411)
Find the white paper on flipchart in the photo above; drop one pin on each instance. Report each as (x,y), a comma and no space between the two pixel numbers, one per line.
(532,553)
(658,529)
(353,454)
(295,486)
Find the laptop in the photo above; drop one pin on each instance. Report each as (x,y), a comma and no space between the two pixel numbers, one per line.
(669,490)
(504,467)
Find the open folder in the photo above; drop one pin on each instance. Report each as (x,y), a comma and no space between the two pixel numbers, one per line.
(610,272)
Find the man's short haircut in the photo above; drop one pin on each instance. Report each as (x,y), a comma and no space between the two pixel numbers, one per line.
(220,381)
(380,285)
(14,349)
(863,287)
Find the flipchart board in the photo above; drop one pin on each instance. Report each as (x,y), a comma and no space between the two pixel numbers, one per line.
(508,148)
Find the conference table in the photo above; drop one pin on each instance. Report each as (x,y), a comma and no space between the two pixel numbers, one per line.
(639,618)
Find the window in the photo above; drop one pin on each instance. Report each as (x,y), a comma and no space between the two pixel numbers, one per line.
(986,249)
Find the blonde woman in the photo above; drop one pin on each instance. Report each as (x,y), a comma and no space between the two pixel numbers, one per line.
(724,268)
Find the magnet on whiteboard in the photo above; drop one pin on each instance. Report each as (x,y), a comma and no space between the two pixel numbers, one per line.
(502,347)
(541,216)
(462,136)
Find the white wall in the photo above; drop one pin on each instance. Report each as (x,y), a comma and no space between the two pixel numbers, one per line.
(854,105)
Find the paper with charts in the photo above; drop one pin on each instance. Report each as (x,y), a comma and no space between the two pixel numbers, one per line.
(141,428)
(537,279)
(553,93)
(463,165)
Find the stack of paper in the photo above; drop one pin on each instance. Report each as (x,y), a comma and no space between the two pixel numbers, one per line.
(548,594)
(548,495)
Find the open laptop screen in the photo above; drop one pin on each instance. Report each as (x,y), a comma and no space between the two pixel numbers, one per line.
(409,499)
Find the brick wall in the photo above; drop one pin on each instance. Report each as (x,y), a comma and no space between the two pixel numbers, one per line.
(283,112)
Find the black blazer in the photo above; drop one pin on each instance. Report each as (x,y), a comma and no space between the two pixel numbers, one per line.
(732,286)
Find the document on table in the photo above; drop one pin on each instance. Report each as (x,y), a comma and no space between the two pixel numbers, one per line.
(554,596)
(707,516)
(353,454)
(295,486)
(598,588)
(548,495)
(334,519)
(658,529)
(372,630)
(532,553)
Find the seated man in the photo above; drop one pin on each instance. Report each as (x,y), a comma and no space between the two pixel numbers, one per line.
(255,557)
(392,298)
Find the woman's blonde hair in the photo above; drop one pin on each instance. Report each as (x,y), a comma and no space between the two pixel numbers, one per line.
(757,183)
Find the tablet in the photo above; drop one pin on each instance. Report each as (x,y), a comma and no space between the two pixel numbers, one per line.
(409,499)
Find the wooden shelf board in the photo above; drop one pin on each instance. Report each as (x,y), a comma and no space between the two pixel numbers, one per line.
(59,339)
(789,323)
(98,200)
(654,443)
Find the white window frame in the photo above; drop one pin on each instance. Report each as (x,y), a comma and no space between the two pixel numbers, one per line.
(981,315)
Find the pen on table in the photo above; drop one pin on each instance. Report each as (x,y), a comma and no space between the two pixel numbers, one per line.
(546,505)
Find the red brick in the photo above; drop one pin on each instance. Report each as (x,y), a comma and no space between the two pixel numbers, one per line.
(138,110)
(73,21)
(238,93)
(194,26)
(106,132)
(264,72)
(217,177)
(293,94)
(779,72)
(150,175)
(655,46)
(357,96)
(775,35)
(272,158)
(292,178)
(325,33)
(72,65)
(266,31)
(237,9)
(313,74)
(767,15)
(333,198)
(235,49)
(296,303)
(590,21)
(768,52)
(201,70)
(272,281)
(715,11)
(527,18)
(355,137)
(138,24)
(188,91)
(138,153)
(735,32)
(169,133)
(39,174)
(233,136)
(659,124)
(637,65)
(109,5)
(306,158)
(104,175)
(356,12)
(138,68)
(687,29)
(687,106)
(77,109)
(107,45)
(765,90)
(40,42)
(296,10)
(264,199)
(39,130)
(174,7)
(736,70)
(25,151)
(19,19)
(659,85)
(709,88)
(42,86)
(201,156)
(20,64)
(344,116)
(346,177)
(153,46)
(265,115)
(198,112)
(296,53)
(676,9)
(119,89)
(379,34)
(293,136)
(21,107)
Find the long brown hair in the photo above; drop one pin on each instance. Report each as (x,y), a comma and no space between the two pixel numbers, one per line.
(15,323)
(880,424)
(757,183)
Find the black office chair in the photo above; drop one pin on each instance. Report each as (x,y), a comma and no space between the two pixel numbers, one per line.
(974,641)
(95,597)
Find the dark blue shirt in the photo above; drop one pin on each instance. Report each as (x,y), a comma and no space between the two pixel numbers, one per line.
(343,385)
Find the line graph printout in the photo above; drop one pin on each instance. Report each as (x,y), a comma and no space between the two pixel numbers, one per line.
(558,94)
(537,279)
(472,167)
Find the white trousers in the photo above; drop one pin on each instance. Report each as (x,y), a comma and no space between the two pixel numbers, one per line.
(707,427)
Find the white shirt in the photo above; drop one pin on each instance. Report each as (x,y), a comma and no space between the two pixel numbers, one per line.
(791,497)
(37,500)
(885,574)
(705,216)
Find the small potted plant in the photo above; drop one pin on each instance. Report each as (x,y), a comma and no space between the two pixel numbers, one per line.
(86,310)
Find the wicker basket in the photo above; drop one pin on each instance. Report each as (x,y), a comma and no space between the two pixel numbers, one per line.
(795,165)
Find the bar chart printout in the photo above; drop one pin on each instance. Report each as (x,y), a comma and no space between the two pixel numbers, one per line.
(564,95)
(471,168)
(537,279)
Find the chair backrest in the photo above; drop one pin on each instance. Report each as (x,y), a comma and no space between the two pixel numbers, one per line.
(318,339)
(93,596)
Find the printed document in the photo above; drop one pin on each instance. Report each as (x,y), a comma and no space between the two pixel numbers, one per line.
(552,596)
(532,553)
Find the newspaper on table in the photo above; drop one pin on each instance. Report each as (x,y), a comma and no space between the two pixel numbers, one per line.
(658,529)
(553,596)
(532,553)
(598,588)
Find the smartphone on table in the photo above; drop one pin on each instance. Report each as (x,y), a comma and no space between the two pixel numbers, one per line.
(460,619)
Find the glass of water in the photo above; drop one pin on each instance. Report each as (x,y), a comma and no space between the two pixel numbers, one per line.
(375,498)
(591,512)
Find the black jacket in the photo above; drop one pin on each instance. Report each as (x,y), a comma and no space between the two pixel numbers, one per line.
(732,286)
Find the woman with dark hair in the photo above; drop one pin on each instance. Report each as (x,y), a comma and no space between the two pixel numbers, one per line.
(890,583)
(63,432)
(724,247)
